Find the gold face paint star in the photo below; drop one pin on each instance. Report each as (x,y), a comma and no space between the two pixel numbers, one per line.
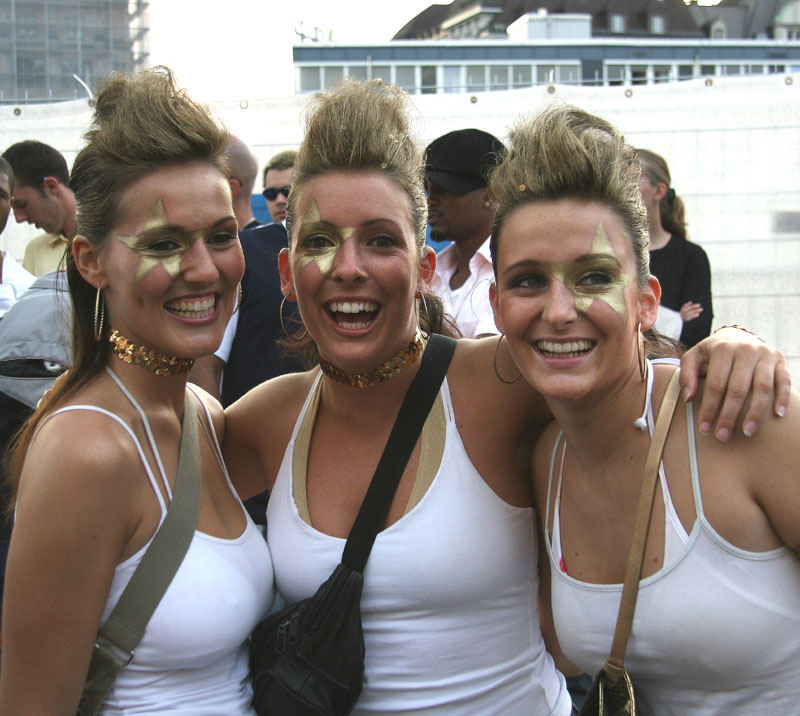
(319,240)
(159,243)
(596,276)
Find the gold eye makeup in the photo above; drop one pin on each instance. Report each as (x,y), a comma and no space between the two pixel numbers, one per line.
(319,240)
(159,243)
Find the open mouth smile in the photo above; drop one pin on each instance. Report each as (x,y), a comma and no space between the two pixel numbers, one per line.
(353,314)
(192,307)
(564,349)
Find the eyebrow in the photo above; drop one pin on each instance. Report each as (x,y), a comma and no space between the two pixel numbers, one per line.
(175,229)
(587,258)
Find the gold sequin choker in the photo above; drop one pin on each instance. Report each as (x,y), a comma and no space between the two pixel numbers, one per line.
(159,363)
(386,370)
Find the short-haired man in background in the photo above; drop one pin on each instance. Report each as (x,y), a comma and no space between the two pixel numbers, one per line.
(14,280)
(277,183)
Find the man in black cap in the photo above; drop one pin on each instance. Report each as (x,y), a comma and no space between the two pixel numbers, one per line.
(457,169)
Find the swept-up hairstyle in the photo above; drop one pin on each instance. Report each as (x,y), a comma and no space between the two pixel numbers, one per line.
(566,153)
(358,127)
(140,124)
(672,209)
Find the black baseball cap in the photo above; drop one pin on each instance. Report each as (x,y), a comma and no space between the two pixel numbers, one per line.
(462,161)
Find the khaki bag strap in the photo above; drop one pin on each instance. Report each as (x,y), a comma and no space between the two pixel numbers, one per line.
(128,619)
(614,665)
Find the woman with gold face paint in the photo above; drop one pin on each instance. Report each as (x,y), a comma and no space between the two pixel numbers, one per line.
(153,274)
(449,606)
(716,628)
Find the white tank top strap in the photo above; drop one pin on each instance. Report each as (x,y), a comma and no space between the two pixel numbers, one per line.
(692,440)
(126,427)
(447,402)
(150,438)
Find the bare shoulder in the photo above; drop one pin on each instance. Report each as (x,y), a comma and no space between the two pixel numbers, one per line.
(258,427)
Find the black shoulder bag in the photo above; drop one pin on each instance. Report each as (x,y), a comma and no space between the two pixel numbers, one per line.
(308,659)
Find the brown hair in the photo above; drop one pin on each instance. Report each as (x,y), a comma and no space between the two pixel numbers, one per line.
(364,127)
(565,152)
(672,209)
(140,124)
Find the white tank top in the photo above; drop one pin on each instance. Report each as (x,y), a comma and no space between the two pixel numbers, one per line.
(192,658)
(716,630)
(449,604)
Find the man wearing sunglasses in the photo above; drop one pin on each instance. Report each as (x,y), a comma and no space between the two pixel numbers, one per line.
(278,183)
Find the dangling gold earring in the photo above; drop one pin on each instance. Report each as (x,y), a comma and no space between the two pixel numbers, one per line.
(99,314)
(497,372)
(640,352)
(290,336)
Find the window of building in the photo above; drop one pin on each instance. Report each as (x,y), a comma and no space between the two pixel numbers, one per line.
(545,74)
(731,70)
(382,72)
(717,31)
(405,77)
(521,76)
(708,70)
(685,72)
(476,78)
(657,25)
(428,76)
(615,74)
(357,72)
(452,78)
(332,76)
(617,23)
(661,73)
(638,74)
(309,79)
(498,77)
(568,74)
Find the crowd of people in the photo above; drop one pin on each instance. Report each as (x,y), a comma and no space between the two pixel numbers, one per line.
(497,572)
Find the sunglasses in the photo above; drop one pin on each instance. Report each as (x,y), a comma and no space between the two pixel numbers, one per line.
(272,193)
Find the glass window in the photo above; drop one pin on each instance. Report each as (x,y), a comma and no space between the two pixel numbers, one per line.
(428,76)
(708,70)
(615,74)
(498,77)
(521,76)
(309,79)
(357,72)
(685,72)
(333,76)
(661,73)
(405,77)
(731,70)
(657,25)
(568,74)
(382,72)
(545,74)
(617,23)
(452,78)
(476,78)
(638,74)
(756,69)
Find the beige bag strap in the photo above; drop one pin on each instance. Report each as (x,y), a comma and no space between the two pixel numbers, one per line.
(614,666)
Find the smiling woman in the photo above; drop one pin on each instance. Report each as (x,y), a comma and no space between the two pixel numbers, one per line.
(153,275)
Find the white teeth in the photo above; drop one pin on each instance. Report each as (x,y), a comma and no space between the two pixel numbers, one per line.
(562,348)
(353,307)
(194,307)
(349,324)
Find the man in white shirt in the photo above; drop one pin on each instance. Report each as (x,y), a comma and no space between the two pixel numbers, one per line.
(14,280)
(457,169)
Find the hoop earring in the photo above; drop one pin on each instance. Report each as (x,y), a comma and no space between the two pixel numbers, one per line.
(425,304)
(99,314)
(291,336)
(640,352)
(238,298)
(494,363)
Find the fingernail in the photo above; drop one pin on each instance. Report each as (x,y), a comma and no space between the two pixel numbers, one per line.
(705,428)
(686,394)
(781,411)
(723,434)
(750,428)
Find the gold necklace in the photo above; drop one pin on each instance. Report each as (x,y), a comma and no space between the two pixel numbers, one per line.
(159,363)
(386,370)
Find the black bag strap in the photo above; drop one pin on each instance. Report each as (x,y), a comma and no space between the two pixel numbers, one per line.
(128,619)
(407,427)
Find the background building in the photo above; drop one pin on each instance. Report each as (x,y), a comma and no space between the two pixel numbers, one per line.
(46,44)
